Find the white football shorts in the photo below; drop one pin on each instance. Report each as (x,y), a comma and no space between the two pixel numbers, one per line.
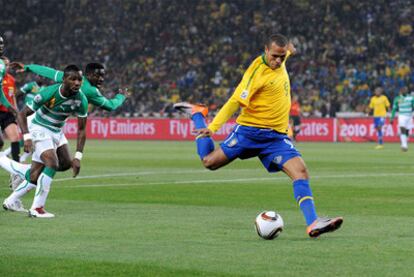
(405,121)
(44,139)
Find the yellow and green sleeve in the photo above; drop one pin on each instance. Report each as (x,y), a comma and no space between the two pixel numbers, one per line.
(231,106)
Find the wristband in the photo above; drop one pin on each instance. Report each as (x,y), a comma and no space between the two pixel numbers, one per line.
(78,155)
(27,136)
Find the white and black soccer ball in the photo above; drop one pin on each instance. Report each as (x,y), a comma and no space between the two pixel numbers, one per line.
(269,224)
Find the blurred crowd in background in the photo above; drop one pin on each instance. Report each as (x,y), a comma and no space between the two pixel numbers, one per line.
(187,50)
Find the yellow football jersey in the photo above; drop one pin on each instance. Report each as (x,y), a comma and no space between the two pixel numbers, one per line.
(264,96)
(379,105)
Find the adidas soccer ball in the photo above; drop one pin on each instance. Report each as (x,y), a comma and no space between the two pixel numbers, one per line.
(269,224)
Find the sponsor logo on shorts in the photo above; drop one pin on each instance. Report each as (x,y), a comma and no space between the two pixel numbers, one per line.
(277,159)
(38,135)
(232,142)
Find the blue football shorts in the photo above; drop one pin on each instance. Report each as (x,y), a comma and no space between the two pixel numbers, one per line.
(379,121)
(272,148)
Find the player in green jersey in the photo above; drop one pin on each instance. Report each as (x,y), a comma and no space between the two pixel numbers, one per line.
(92,82)
(52,106)
(404,104)
(31,89)
(95,76)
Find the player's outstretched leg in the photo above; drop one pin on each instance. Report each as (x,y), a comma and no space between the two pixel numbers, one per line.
(205,145)
(42,190)
(13,202)
(17,170)
(24,156)
(295,168)
(316,226)
(13,166)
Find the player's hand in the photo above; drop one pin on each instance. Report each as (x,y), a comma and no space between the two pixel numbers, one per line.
(28,146)
(205,132)
(75,167)
(17,66)
(291,48)
(125,92)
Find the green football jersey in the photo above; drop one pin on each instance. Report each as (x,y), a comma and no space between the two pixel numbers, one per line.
(403,104)
(3,99)
(92,93)
(30,90)
(52,109)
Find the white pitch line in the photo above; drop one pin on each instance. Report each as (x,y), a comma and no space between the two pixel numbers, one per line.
(143,173)
(241,180)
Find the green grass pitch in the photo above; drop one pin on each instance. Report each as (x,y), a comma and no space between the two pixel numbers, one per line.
(150,209)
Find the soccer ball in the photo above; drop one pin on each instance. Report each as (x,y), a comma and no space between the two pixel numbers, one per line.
(269,224)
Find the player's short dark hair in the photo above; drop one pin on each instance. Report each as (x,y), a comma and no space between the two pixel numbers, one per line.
(92,67)
(279,39)
(70,69)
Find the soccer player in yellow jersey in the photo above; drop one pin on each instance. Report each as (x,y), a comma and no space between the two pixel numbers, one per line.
(379,104)
(261,131)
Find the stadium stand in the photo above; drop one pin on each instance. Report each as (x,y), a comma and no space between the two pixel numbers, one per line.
(168,51)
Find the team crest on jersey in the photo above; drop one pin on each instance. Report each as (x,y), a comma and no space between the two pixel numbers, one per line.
(244,94)
(232,142)
(37,98)
(52,102)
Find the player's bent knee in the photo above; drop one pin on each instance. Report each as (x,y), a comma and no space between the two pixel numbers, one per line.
(215,160)
(296,169)
(303,173)
(52,163)
(209,163)
(63,166)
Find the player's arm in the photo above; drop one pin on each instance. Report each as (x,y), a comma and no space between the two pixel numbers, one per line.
(387,104)
(97,99)
(26,88)
(291,48)
(370,107)
(241,97)
(82,114)
(40,70)
(81,139)
(231,106)
(394,109)
(38,101)
(23,90)
(22,121)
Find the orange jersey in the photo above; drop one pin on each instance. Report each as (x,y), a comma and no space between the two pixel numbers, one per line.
(295,109)
(9,90)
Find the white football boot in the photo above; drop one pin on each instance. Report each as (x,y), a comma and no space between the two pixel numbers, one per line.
(40,213)
(323,225)
(15,206)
